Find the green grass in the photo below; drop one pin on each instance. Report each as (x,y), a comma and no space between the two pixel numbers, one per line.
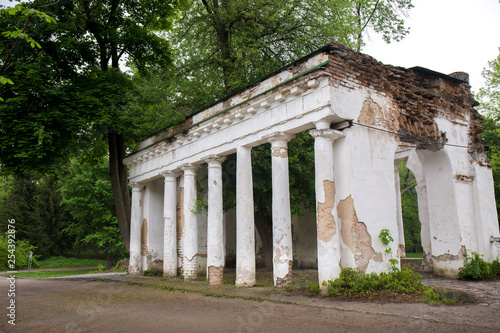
(49,274)
(414,255)
(62,262)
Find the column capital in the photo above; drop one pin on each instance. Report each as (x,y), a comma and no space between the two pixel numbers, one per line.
(189,169)
(278,139)
(327,134)
(136,187)
(170,175)
(215,161)
(323,123)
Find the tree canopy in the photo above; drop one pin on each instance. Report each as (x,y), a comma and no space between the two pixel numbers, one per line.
(72,94)
(489,97)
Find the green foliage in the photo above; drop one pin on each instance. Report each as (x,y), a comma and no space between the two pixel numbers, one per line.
(301,169)
(20,254)
(50,274)
(62,262)
(495,267)
(86,191)
(475,268)
(491,136)
(489,98)
(200,206)
(227,45)
(353,284)
(19,35)
(386,238)
(314,289)
(409,205)
(489,95)
(35,204)
(149,272)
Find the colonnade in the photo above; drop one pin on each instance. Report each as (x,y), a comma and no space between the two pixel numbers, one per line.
(328,249)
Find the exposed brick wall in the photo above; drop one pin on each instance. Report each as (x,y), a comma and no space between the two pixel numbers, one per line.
(418,97)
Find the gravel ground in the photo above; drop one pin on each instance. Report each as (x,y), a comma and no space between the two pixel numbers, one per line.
(126,305)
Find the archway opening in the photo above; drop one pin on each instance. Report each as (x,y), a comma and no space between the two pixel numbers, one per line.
(410,213)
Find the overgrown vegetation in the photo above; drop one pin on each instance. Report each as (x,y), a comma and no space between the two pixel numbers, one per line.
(50,274)
(62,262)
(149,272)
(353,284)
(21,254)
(475,268)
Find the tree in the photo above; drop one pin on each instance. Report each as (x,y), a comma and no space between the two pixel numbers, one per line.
(86,192)
(86,48)
(227,44)
(489,97)
(238,42)
(409,205)
(20,35)
(35,204)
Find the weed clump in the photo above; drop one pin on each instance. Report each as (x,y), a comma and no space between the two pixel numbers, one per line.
(352,283)
(149,272)
(475,268)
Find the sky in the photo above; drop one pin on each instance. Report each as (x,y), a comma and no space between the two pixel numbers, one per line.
(445,36)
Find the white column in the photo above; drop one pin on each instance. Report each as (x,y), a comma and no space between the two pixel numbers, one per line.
(399,211)
(327,228)
(245,228)
(215,230)
(169,219)
(282,221)
(135,266)
(190,267)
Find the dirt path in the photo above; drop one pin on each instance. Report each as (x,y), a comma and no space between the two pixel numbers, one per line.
(94,306)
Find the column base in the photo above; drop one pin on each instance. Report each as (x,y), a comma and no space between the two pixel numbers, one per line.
(287,279)
(215,275)
(190,270)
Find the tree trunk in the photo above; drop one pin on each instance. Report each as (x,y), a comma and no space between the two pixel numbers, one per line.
(119,183)
(264,224)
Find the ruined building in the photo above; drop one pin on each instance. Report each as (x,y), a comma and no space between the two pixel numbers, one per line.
(365,118)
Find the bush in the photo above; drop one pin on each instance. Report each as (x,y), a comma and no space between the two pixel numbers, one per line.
(495,267)
(354,283)
(475,268)
(22,251)
(149,272)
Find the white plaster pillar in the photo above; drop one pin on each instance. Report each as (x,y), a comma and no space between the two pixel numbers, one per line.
(190,267)
(445,233)
(399,210)
(135,266)
(415,166)
(170,220)
(215,227)
(245,228)
(485,212)
(282,221)
(328,231)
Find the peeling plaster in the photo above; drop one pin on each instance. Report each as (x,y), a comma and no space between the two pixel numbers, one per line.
(180,213)
(280,152)
(144,237)
(326,221)
(287,279)
(451,257)
(371,113)
(355,235)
